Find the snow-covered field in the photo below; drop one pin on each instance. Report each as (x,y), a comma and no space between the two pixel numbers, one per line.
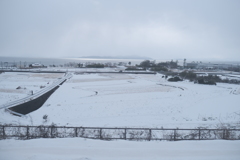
(86,149)
(27,82)
(122,100)
(133,100)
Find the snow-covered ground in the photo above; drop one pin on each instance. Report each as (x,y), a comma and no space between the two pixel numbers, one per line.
(133,100)
(25,82)
(122,100)
(230,77)
(86,149)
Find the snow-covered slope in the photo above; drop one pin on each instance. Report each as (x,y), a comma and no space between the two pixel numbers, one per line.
(17,85)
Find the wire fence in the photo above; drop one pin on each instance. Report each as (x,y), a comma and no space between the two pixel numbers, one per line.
(146,134)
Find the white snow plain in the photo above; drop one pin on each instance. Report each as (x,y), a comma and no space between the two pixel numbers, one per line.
(127,100)
(134,100)
(27,82)
(86,149)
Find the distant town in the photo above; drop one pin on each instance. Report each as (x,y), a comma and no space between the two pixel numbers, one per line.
(142,65)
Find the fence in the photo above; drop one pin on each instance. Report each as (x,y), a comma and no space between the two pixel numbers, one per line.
(32,132)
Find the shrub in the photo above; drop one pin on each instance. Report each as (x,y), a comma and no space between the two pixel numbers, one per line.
(135,69)
(202,81)
(160,68)
(174,79)
(97,65)
(45,118)
(188,75)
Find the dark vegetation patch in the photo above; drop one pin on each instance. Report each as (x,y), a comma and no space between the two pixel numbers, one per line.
(209,79)
(135,69)
(202,81)
(174,79)
(188,75)
(97,65)
(162,66)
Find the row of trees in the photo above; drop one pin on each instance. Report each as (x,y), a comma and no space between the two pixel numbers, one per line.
(209,79)
(96,65)
(162,66)
(150,64)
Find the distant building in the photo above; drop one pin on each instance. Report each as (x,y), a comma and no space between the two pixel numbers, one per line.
(215,66)
(36,65)
(192,65)
(210,66)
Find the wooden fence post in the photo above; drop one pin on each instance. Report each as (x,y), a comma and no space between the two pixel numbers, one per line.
(27,132)
(125,134)
(199,134)
(224,132)
(150,134)
(174,137)
(76,132)
(3,129)
(100,133)
(51,127)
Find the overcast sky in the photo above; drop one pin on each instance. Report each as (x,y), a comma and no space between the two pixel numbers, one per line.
(160,29)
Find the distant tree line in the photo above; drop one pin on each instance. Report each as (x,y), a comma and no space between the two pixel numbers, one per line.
(209,79)
(95,65)
(133,68)
(162,66)
(215,78)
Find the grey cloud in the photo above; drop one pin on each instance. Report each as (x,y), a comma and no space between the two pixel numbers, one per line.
(154,28)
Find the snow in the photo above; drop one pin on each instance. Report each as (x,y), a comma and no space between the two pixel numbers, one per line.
(123,100)
(26,81)
(230,77)
(133,100)
(87,149)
